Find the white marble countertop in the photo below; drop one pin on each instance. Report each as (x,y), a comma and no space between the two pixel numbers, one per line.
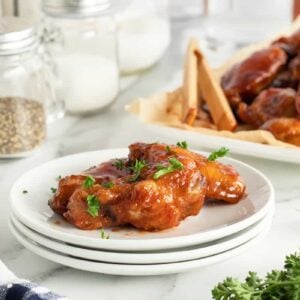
(115,128)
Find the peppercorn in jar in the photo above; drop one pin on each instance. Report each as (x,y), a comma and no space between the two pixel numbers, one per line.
(25,90)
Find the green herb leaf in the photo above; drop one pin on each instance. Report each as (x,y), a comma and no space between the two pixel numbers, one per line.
(168,149)
(160,166)
(138,166)
(103,235)
(219,153)
(278,284)
(119,164)
(108,184)
(183,144)
(93,205)
(53,190)
(25,192)
(174,164)
(89,182)
(58,178)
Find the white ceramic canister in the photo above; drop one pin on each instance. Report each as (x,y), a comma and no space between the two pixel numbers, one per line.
(143,34)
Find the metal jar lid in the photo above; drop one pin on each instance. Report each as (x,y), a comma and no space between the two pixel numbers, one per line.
(75,8)
(16,35)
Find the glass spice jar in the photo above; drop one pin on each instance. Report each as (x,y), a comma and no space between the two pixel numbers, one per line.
(81,39)
(143,34)
(25,89)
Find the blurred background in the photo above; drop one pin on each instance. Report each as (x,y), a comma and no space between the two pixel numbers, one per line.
(229,12)
(77,58)
(222,23)
(281,9)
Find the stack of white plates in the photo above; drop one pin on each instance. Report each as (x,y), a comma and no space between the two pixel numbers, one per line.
(219,232)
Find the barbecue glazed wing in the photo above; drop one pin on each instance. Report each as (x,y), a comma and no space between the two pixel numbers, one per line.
(297,101)
(284,129)
(290,44)
(269,104)
(290,76)
(67,185)
(223,181)
(144,201)
(294,68)
(246,79)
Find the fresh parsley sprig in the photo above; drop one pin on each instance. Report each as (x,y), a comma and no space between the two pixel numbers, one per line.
(119,164)
(182,144)
(278,284)
(168,149)
(89,182)
(93,205)
(108,184)
(174,164)
(103,235)
(53,190)
(217,154)
(138,166)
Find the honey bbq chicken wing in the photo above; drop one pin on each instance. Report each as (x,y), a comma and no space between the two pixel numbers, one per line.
(223,181)
(67,185)
(290,44)
(285,80)
(144,202)
(154,189)
(269,104)
(290,76)
(246,79)
(284,129)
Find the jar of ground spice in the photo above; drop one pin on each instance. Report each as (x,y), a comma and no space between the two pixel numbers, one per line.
(25,89)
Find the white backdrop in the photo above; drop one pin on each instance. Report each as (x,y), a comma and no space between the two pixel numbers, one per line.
(279,8)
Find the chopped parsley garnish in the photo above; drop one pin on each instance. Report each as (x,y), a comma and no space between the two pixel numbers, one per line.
(277,284)
(183,144)
(119,164)
(174,164)
(58,178)
(89,182)
(219,153)
(93,205)
(53,190)
(25,192)
(108,184)
(138,166)
(103,235)
(168,149)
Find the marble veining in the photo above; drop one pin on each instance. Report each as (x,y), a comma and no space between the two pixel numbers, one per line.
(115,128)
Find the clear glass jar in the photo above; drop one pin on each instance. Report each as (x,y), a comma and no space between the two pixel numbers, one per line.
(143,34)
(25,89)
(81,39)
(239,23)
(188,9)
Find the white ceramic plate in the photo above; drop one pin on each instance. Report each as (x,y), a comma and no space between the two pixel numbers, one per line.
(214,221)
(213,142)
(133,270)
(154,257)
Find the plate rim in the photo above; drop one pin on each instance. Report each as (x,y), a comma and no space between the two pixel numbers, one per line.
(137,270)
(144,257)
(151,244)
